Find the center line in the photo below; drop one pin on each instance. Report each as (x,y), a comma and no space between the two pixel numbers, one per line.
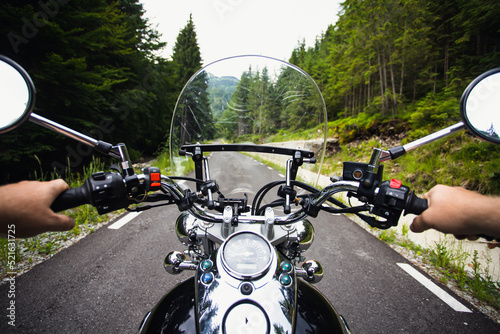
(443,295)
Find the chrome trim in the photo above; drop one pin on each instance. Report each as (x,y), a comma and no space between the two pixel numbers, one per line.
(267,230)
(246,317)
(434,136)
(374,162)
(183,225)
(271,253)
(305,234)
(226,221)
(311,270)
(214,301)
(51,125)
(172,262)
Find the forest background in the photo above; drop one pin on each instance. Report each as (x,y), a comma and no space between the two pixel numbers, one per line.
(387,68)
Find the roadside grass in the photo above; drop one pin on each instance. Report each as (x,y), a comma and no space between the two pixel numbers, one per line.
(183,166)
(459,160)
(454,264)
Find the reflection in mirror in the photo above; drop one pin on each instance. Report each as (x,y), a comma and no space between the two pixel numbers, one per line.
(482,108)
(15,96)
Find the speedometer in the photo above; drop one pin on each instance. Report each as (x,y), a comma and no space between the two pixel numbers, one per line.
(246,255)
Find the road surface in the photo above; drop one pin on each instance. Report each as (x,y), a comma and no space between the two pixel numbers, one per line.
(108,281)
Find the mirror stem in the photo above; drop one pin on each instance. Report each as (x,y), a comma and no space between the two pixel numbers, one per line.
(98,145)
(398,151)
(434,136)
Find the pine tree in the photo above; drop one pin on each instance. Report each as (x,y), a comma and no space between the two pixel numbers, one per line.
(186,53)
(193,115)
(92,64)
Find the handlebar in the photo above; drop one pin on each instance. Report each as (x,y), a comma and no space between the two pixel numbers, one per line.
(72,198)
(415,205)
(106,191)
(109,192)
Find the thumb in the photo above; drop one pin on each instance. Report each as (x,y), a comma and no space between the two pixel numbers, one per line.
(58,186)
(62,223)
(417,225)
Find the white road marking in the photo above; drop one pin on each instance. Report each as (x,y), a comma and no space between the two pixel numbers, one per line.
(269,168)
(124,220)
(443,295)
(281,175)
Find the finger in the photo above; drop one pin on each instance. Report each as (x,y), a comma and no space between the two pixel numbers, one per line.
(62,223)
(59,185)
(417,226)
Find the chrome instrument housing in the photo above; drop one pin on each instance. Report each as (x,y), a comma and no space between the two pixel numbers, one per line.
(253,258)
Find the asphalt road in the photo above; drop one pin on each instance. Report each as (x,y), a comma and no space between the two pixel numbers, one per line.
(108,281)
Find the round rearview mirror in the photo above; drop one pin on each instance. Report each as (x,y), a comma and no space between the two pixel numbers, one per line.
(480,106)
(17,94)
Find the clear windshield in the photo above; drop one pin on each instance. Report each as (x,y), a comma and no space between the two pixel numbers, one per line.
(249,99)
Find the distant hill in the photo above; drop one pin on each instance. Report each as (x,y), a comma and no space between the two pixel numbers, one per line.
(220,91)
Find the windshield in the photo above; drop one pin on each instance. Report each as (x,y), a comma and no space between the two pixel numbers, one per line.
(249,99)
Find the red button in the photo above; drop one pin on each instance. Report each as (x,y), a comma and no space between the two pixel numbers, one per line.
(396,184)
(155,176)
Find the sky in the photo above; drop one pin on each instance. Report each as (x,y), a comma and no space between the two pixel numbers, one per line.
(227,28)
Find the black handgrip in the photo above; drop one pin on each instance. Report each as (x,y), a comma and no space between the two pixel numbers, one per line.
(415,205)
(72,198)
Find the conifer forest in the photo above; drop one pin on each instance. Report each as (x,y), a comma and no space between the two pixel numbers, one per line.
(384,66)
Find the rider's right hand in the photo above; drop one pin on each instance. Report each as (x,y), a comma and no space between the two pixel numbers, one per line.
(460,212)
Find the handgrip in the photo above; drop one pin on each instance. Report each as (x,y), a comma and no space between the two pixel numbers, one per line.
(415,205)
(72,198)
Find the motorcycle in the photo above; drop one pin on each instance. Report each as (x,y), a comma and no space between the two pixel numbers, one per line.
(250,270)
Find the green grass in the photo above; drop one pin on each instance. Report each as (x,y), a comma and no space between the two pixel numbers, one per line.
(183,167)
(454,264)
(459,160)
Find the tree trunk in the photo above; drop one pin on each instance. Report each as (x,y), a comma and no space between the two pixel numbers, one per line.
(446,60)
(381,75)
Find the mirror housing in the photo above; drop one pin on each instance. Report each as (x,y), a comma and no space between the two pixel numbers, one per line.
(480,106)
(17,94)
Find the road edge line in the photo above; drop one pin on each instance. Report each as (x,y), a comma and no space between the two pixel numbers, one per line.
(434,288)
(118,224)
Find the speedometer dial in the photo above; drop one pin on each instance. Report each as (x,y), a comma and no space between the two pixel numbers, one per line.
(246,255)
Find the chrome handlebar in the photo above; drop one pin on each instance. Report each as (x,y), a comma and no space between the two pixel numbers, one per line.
(170,186)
